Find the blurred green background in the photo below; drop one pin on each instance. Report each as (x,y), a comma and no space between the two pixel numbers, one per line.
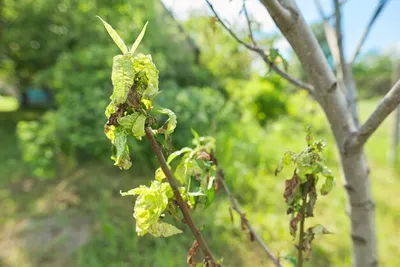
(59,191)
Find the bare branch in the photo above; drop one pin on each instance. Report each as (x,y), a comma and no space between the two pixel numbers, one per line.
(182,205)
(188,38)
(320,10)
(378,10)
(249,23)
(384,108)
(333,14)
(244,221)
(264,56)
(339,40)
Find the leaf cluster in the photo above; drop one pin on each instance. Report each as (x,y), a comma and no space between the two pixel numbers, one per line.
(135,84)
(301,189)
(195,172)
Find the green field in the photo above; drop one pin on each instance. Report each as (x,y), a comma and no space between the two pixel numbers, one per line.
(80,219)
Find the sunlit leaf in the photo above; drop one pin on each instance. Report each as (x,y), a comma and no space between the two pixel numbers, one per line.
(122,78)
(170,125)
(135,123)
(144,64)
(162,229)
(138,40)
(114,35)
(175,154)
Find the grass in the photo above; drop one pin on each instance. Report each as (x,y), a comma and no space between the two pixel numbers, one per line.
(90,196)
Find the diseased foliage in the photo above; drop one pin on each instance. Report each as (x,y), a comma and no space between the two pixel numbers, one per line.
(301,189)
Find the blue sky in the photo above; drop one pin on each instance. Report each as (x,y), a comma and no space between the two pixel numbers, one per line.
(356,14)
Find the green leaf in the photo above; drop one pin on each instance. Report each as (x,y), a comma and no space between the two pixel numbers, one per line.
(114,35)
(138,39)
(111,109)
(159,175)
(319,230)
(144,64)
(149,205)
(328,185)
(170,125)
(121,157)
(210,193)
(309,237)
(138,127)
(175,154)
(285,160)
(134,123)
(122,78)
(162,229)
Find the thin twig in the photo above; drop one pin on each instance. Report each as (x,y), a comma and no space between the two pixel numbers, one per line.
(378,10)
(384,108)
(182,205)
(249,23)
(244,221)
(339,39)
(320,10)
(333,14)
(263,55)
(188,38)
(300,246)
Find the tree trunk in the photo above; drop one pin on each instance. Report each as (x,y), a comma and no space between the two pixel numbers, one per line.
(394,140)
(333,101)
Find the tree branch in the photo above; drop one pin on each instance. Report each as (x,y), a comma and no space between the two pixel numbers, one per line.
(339,40)
(189,39)
(182,205)
(378,10)
(384,108)
(264,56)
(248,23)
(331,16)
(235,206)
(320,9)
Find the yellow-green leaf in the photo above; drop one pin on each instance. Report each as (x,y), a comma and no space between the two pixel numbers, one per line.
(114,35)
(138,39)
(122,78)
(162,229)
(138,127)
(170,125)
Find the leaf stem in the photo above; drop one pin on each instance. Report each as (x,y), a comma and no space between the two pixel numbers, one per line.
(300,258)
(182,205)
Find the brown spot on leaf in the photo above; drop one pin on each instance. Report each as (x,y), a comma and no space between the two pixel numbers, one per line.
(291,187)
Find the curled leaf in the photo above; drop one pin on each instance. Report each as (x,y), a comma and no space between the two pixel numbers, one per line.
(328,185)
(170,125)
(149,205)
(134,123)
(175,154)
(160,175)
(291,186)
(310,235)
(121,157)
(144,64)
(122,78)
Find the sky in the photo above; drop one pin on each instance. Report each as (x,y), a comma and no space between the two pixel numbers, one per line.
(384,35)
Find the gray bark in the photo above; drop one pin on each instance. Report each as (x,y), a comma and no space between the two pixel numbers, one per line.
(334,103)
(394,139)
